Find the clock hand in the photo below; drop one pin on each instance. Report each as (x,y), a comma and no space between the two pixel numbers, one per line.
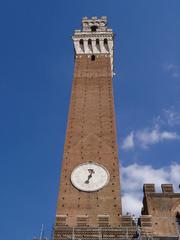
(90,175)
(87,181)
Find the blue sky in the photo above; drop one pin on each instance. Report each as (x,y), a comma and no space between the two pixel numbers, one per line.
(36,69)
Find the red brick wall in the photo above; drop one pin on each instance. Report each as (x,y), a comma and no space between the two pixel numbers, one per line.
(91,136)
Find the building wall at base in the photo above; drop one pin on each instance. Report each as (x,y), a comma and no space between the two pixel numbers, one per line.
(163,208)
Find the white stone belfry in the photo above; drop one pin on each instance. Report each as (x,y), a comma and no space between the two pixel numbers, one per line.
(94,38)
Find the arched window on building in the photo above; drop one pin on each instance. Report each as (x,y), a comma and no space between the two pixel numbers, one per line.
(178,217)
(178,221)
(106,44)
(90,44)
(81,43)
(98,45)
(93,58)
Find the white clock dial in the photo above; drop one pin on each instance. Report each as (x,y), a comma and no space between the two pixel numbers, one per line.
(90,177)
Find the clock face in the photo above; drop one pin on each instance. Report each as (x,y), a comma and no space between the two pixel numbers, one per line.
(90,177)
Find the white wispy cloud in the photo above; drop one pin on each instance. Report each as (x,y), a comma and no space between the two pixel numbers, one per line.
(128,142)
(172,116)
(135,175)
(145,137)
(148,136)
(172,69)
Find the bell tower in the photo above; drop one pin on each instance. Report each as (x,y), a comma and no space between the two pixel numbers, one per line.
(89,200)
(89,194)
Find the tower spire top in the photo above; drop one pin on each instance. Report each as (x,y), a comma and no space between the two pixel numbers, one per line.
(94,38)
(94,24)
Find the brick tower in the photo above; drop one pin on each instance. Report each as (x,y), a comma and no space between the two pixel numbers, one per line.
(89,201)
(89,194)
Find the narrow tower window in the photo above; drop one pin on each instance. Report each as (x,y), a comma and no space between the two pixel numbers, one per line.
(93,57)
(106,44)
(90,44)
(81,43)
(97,45)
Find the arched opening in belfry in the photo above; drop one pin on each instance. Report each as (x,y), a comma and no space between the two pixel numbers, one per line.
(81,43)
(106,44)
(94,28)
(90,44)
(97,45)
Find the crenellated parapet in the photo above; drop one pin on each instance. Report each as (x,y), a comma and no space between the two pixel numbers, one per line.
(166,189)
(162,208)
(94,38)
(155,203)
